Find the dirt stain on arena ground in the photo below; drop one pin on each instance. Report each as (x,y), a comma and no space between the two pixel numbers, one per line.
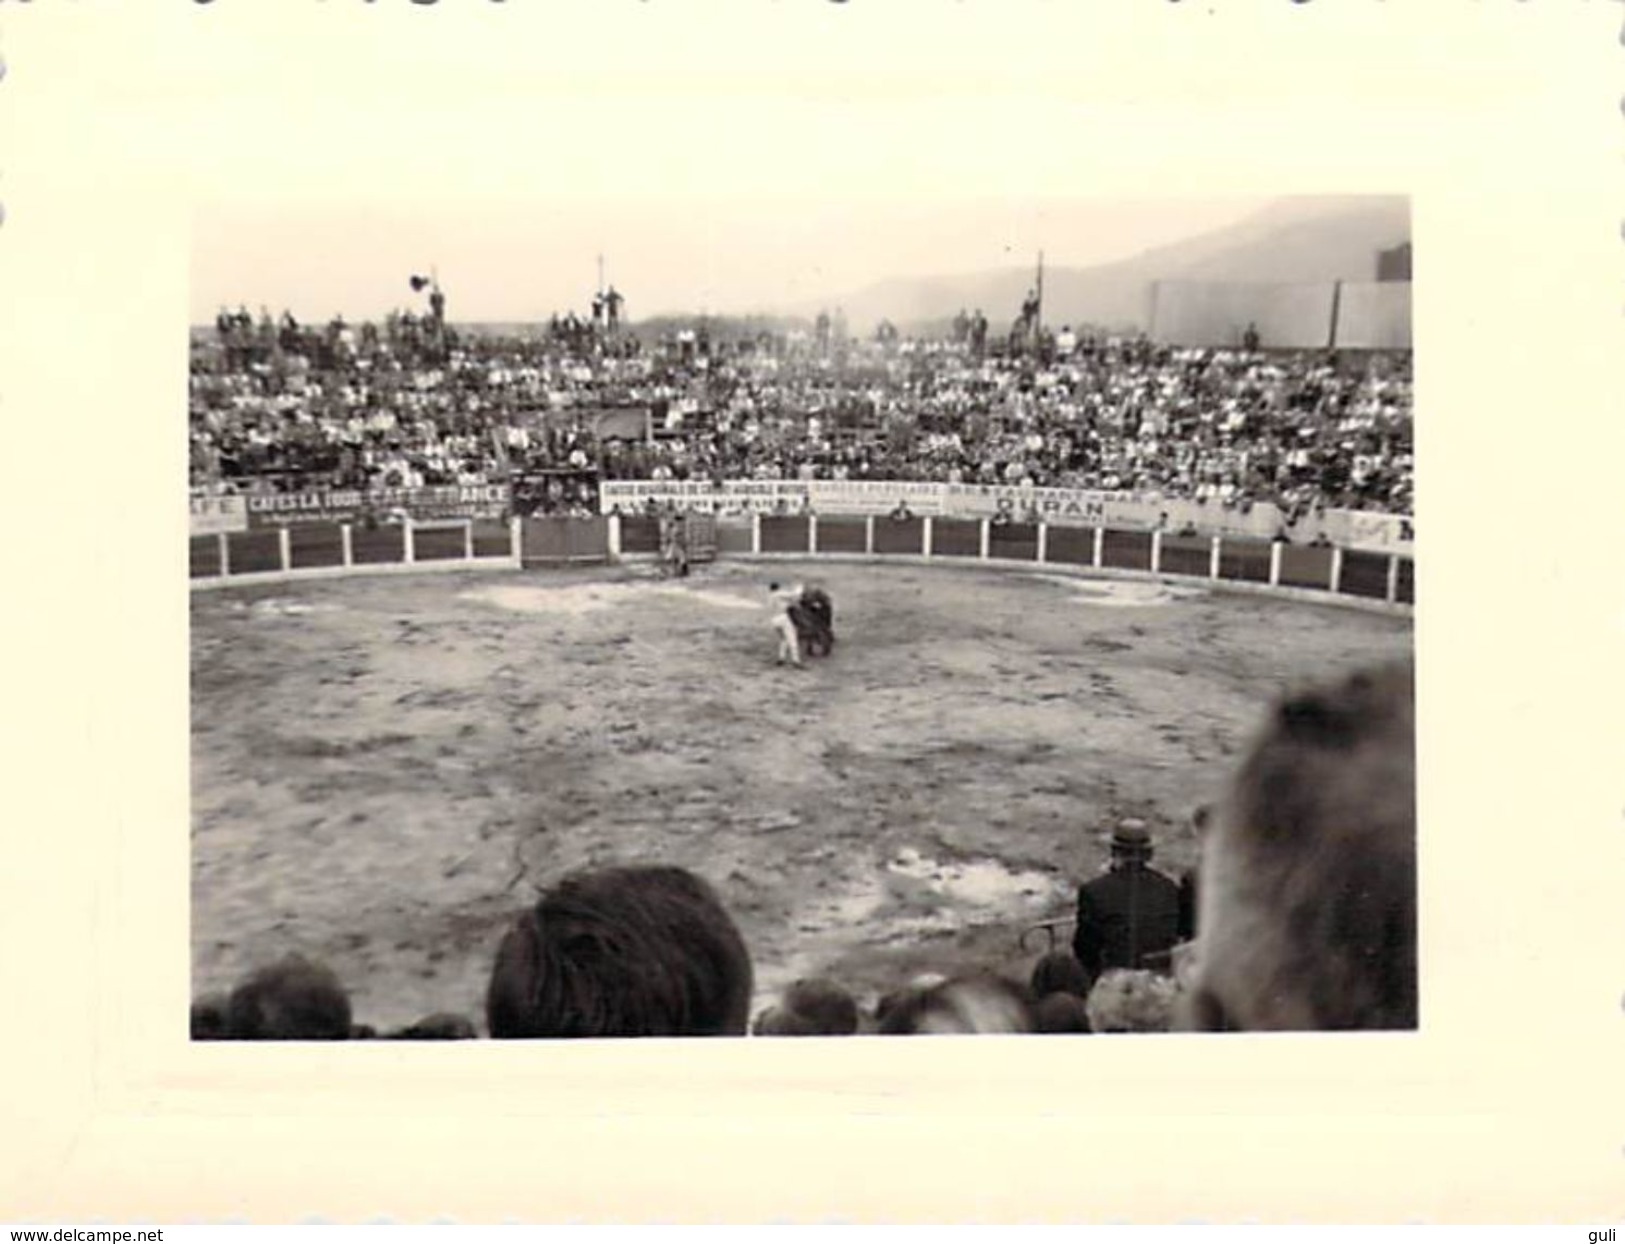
(385,770)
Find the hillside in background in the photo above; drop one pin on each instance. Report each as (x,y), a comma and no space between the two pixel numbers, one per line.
(1297,239)
(1294,240)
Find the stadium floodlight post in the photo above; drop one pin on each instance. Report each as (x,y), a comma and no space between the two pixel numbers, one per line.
(409,549)
(1391,594)
(1156,551)
(869,534)
(1099,557)
(986,540)
(1213,557)
(346,545)
(1336,583)
(468,540)
(284,548)
(755,533)
(1043,542)
(225,554)
(1275,562)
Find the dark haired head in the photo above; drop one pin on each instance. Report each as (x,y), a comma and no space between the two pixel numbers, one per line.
(831,1010)
(1060,972)
(293,999)
(209,1017)
(1061,1012)
(441,1026)
(622,952)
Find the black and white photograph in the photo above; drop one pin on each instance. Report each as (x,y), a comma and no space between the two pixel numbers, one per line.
(919,617)
(541,532)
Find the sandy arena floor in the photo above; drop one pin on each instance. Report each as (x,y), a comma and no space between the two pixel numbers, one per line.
(386,769)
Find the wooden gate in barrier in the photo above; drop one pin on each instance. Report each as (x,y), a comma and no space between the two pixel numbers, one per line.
(702,537)
(556,540)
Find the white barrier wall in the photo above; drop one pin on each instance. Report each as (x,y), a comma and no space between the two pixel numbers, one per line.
(800,538)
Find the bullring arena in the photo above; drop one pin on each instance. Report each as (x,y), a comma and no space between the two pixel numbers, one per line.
(388,766)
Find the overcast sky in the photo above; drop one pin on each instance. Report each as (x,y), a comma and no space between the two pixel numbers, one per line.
(726,157)
(523,259)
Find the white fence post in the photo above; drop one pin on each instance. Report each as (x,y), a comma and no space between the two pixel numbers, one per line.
(1043,542)
(1275,562)
(1337,569)
(1392,594)
(928,538)
(614,537)
(1156,551)
(1213,557)
(1099,558)
(346,545)
(225,554)
(409,547)
(468,540)
(869,533)
(986,536)
(812,533)
(755,532)
(516,540)
(284,548)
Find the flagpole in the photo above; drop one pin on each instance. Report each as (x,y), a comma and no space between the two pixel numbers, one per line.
(1038,320)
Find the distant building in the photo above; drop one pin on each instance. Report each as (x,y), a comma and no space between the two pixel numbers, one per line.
(1395,264)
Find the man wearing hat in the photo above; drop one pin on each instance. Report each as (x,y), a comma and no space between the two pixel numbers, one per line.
(1129,917)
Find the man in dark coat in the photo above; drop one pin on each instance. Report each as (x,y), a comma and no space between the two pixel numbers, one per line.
(1129,917)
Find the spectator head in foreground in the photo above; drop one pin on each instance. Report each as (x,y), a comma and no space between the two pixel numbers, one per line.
(810,1008)
(441,1026)
(1126,1000)
(1061,1012)
(830,1009)
(1308,886)
(622,952)
(293,999)
(209,1017)
(1059,972)
(960,1005)
(780,1021)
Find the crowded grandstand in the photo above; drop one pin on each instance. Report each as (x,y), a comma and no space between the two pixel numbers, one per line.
(280,408)
(412,418)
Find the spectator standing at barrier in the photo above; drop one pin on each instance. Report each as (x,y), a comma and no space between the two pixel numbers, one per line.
(1129,916)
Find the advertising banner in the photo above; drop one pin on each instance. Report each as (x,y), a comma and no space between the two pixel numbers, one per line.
(770,496)
(212,515)
(348,505)
(1362,529)
(1058,506)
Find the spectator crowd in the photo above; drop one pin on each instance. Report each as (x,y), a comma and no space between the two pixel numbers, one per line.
(279,407)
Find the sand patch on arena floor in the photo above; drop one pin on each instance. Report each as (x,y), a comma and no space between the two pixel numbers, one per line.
(576,599)
(981,883)
(280,607)
(1121,593)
